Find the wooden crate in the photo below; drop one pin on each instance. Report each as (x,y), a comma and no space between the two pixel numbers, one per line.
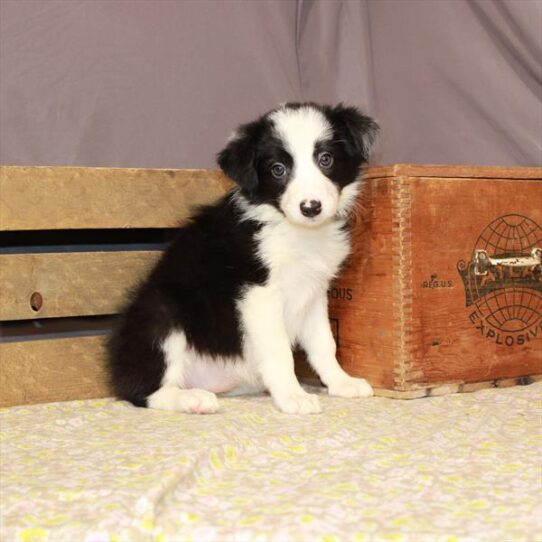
(63,288)
(417,310)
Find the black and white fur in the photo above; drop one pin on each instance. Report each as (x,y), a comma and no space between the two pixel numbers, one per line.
(246,279)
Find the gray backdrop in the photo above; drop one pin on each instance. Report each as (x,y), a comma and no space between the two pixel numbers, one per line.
(161,83)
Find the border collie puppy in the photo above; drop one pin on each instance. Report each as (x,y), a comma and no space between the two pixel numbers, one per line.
(246,279)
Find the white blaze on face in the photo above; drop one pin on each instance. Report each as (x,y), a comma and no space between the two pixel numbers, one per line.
(300,130)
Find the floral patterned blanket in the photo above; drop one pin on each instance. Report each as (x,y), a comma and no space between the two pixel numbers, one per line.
(464,467)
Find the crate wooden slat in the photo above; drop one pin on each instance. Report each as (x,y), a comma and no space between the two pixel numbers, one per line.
(70,283)
(40,371)
(50,198)
(451,171)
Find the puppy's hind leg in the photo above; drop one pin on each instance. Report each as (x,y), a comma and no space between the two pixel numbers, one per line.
(171,395)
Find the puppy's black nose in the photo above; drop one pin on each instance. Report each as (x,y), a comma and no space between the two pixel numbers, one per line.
(310,208)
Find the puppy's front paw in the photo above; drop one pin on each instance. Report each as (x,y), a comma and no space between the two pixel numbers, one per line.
(196,401)
(351,387)
(299,403)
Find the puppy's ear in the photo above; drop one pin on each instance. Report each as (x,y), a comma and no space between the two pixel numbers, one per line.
(358,130)
(238,161)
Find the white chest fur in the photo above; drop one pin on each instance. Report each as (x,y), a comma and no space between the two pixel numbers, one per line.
(302,261)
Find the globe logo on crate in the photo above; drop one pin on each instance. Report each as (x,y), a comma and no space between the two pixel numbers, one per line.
(503,281)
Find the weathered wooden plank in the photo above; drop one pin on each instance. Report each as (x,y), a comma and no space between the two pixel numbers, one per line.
(46,198)
(69,369)
(454,171)
(69,283)
(40,198)
(52,370)
(361,301)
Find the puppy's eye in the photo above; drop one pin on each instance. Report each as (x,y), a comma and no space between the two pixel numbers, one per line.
(278,170)
(325,159)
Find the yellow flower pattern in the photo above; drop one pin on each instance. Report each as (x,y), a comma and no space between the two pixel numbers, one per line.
(457,468)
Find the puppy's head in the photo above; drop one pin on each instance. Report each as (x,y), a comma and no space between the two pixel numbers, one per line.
(302,159)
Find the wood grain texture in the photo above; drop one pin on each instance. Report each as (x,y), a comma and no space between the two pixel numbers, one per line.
(49,198)
(448,218)
(401,196)
(52,370)
(361,301)
(453,172)
(70,283)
